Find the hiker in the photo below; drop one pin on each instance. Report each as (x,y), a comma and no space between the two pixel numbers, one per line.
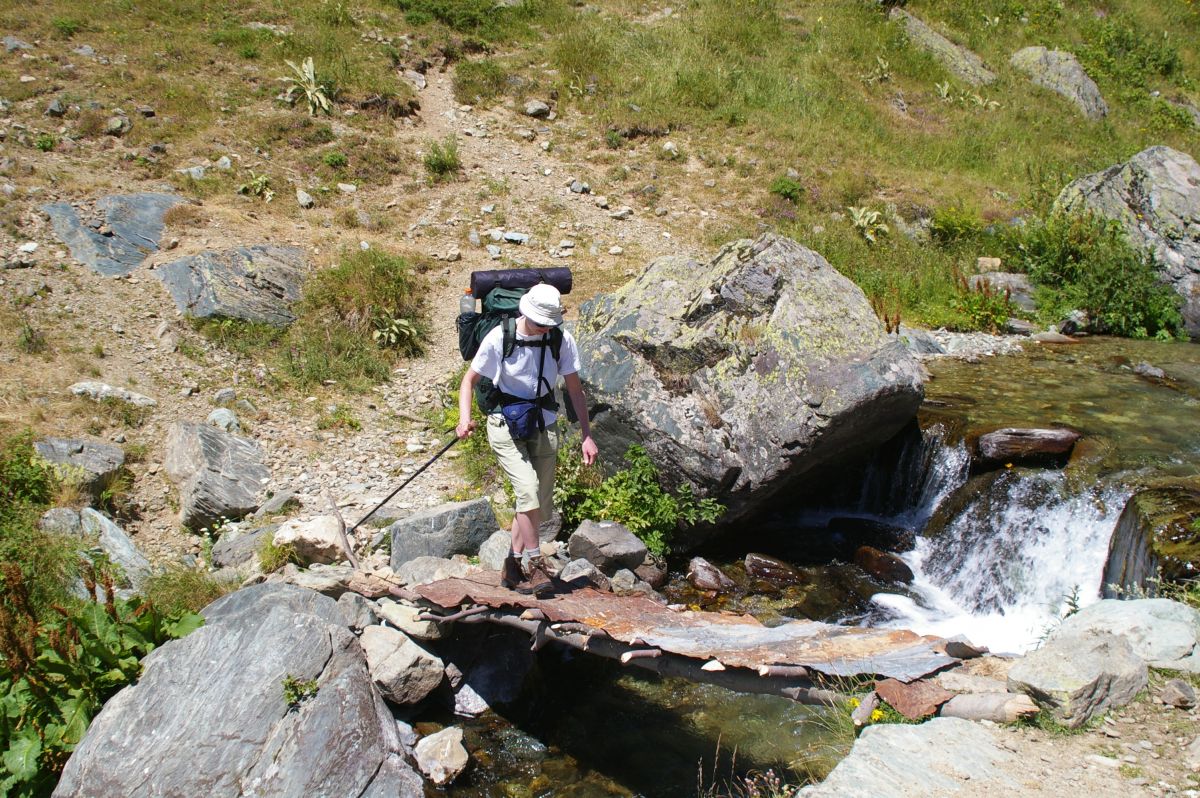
(526,447)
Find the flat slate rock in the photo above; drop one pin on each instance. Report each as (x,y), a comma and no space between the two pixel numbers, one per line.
(442,531)
(257,283)
(220,476)
(136,224)
(92,465)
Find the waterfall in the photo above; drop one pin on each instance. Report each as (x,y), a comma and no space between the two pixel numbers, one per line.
(1016,547)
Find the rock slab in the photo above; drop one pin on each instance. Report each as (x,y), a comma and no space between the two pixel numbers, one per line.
(404,672)
(1155,196)
(1163,633)
(959,61)
(443,531)
(607,545)
(220,476)
(92,465)
(1061,72)
(134,221)
(118,547)
(255,283)
(741,375)
(218,695)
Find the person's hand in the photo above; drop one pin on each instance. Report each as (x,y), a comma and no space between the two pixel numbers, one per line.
(465,428)
(590,450)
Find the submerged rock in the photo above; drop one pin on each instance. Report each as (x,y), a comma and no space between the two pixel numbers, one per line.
(441,756)
(1025,446)
(769,569)
(1155,196)
(883,565)
(703,575)
(743,374)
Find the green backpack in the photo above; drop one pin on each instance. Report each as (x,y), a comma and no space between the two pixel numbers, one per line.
(500,308)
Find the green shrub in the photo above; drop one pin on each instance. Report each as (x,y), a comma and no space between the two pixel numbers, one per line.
(442,161)
(788,188)
(631,496)
(1117,49)
(1081,262)
(479,81)
(67,26)
(955,223)
(335,160)
(179,590)
(60,667)
(45,142)
(983,308)
(341,417)
(271,557)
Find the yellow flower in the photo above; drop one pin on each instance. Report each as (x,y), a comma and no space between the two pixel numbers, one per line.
(876,715)
(854,702)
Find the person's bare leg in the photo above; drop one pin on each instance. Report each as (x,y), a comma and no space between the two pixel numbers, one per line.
(525,530)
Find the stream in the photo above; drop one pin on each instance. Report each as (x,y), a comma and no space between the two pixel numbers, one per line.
(997,556)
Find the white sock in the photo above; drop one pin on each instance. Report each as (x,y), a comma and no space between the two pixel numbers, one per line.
(529,554)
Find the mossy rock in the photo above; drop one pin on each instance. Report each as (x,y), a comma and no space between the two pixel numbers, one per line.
(1158,534)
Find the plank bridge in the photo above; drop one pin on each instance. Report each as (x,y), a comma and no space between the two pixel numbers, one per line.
(800,659)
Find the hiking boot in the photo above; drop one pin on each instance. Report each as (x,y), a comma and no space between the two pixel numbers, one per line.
(540,581)
(511,576)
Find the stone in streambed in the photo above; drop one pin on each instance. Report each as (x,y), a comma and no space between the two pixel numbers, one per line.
(703,575)
(441,756)
(404,672)
(883,565)
(770,569)
(1025,446)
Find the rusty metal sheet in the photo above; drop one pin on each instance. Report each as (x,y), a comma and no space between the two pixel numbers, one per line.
(734,640)
(914,701)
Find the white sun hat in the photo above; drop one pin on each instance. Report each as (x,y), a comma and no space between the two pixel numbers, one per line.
(542,305)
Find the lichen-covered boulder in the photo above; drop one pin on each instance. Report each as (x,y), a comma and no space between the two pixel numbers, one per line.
(1155,196)
(957,60)
(744,374)
(257,283)
(1061,72)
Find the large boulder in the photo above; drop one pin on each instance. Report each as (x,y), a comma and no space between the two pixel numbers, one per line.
(132,566)
(443,531)
(404,672)
(1155,196)
(1078,674)
(1166,634)
(1154,538)
(315,540)
(607,545)
(218,695)
(257,283)
(958,60)
(90,465)
(220,476)
(744,374)
(118,236)
(1061,72)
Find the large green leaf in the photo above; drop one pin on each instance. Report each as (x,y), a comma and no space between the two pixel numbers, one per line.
(185,625)
(21,758)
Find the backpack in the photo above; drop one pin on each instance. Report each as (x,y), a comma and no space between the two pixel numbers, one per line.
(500,308)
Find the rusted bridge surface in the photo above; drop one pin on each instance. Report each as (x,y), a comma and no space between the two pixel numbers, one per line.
(707,646)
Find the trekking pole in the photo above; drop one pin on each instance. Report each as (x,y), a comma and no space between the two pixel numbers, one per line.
(416,474)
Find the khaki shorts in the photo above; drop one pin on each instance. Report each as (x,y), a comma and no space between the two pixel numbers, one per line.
(529,464)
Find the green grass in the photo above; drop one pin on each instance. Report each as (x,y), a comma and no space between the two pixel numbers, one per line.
(179,590)
(442,160)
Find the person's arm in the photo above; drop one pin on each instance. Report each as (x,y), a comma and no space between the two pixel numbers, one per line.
(466,424)
(579,402)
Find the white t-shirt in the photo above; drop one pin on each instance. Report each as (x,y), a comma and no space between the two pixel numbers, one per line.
(519,376)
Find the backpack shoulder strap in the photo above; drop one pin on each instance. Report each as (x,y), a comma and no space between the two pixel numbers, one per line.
(556,339)
(509,326)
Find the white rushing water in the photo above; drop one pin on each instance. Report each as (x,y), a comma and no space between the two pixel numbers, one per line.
(1004,568)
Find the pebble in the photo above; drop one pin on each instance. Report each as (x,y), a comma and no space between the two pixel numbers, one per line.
(616,250)
(304,199)
(347,188)
(493,251)
(622,213)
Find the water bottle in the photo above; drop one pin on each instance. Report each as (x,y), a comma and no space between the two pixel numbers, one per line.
(466,304)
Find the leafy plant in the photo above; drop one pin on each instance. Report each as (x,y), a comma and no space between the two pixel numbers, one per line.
(304,82)
(613,139)
(335,160)
(631,496)
(881,73)
(868,222)
(954,223)
(258,186)
(442,160)
(67,26)
(297,691)
(395,333)
(479,81)
(341,417)
(45,142)
(788,188)
(58,671)
(30,339)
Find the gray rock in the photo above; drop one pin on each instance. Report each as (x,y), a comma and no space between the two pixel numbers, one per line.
(304,199)
(579,187)
(328,580)
(12,44)
(424,570)
(584,571)
(256,283)
(1020,289)
(218,694)
(495,549)
(940,757)
(957,60)
(220,476)
(85,50)
(231,551)
(1179,694)
(194,172)
(513,237)
(133,565)
(404,672)
(101,392)
(441,756)
(607,545)
(702,365)
(493,251)
(1155,196)
(416,79)
(276,503)
(61,521)
(134,220)
(404,618)
(225,396)
(537,109)
(117,125)
(455,528)
(245,407)
(1078,674)
(91,465)
(223,163)
(1061,72)
(224,419)
(920,342)
(315,540)
(624,581)
(1164,633)
(358,611)
(56,108)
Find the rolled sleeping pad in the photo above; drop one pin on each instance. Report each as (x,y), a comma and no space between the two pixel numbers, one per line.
(485,281)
